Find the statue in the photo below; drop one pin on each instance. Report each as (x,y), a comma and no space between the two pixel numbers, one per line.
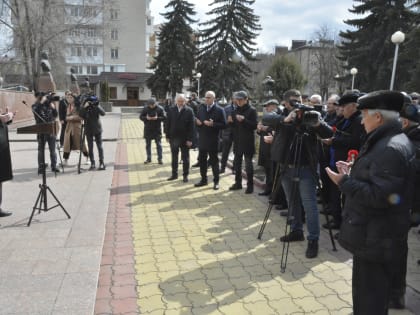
(46,81)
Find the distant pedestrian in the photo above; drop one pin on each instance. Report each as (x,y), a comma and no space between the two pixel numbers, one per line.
(153,115)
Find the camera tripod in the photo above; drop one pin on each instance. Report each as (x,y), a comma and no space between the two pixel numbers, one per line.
(294,196)
(82,142)
(41,203)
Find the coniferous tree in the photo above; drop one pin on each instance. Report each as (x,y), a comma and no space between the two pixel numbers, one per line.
(369,47)
(227,41)
(177,49)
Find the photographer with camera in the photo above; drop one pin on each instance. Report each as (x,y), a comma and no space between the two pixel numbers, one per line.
(45,110)
(91,112)
(298,163)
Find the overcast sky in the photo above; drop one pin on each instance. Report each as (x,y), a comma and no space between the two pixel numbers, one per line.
(281,20)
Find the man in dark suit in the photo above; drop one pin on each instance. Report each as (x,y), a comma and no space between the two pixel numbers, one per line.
(245,123)
(179,131)
(210,120)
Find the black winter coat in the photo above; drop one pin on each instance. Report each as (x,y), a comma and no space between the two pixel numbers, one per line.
(349,136)
(413,133)
(153,128)
(5,158)
(244,131)
(91,115)
(376,209)
(209,136)
(180,125)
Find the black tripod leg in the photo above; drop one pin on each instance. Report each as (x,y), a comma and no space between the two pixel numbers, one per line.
(82,140)
(59,203)
(267,215)
(59,155)
(327,218)
(38,200)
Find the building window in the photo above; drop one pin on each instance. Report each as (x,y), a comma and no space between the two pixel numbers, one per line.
(114,14)
(76,11)
(89,12)
(112,92)
(77,69)
(91,51)
(74,32)
(114,53)
(76,51)
(92,69)
(91,32)
(114,34)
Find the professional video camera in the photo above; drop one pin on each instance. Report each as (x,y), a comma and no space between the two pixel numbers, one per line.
(305,115)
(89,98)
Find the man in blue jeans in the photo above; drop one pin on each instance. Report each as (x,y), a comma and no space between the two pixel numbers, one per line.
(298,163)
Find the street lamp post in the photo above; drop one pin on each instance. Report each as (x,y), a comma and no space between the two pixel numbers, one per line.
(198,76)
(397,38)
(353,72)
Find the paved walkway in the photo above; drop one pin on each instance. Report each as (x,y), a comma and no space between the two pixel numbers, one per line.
(171,248)
(137,244)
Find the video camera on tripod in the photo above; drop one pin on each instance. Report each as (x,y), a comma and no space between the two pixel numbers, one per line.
(304,114)
(89,98)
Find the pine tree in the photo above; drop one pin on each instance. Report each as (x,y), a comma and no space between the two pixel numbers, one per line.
(369,47)
(227,41)
(177,49)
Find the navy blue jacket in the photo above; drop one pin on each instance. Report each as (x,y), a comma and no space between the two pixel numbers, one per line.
(209,136)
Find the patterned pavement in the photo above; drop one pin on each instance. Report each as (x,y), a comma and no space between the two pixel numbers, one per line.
(171,248)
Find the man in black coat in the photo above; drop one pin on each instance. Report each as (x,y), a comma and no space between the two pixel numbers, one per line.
(227,135)
(209,121)
(5,158)
(179,131)
(91,112)
(377,201)
(153,115)
(245,122)
(349,134)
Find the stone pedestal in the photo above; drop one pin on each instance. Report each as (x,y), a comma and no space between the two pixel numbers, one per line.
(46,83)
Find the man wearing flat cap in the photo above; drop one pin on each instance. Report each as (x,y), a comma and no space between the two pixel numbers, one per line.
(244,124)
(152,116)
(377,201)
(349,135)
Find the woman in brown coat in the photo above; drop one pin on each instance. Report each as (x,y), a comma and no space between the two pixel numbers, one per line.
(72,134)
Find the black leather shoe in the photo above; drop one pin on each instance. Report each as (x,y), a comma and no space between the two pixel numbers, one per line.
(333,225)
(312,249)
(173,177)
(196,165)
(249,190)
(200,183)
(102,166)
(160,162)
(4,213)
(293,236)
(264,193)
(216,187)
(235,187)
(147,162)
(222,170)
(185,179)
(55,170)
(281,207)
(397,303)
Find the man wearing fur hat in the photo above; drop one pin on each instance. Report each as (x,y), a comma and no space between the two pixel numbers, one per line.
(377,201)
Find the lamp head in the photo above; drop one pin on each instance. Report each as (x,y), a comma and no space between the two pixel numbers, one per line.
(353,71)
(398,37)
(198,75)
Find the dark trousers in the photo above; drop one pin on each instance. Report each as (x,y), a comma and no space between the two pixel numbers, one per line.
(176,146)
(249,168)
(62,132)
(214,162)
(371,286)
(149,148)
(334,203)
(42,140)
(398,282)
(98,141)
(226,145)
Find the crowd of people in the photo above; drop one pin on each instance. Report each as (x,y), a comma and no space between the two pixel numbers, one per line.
(359,153)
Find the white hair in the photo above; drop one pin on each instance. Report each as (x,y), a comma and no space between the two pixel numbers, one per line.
(211,94)
(387,115)
(316,98)
(180,96)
